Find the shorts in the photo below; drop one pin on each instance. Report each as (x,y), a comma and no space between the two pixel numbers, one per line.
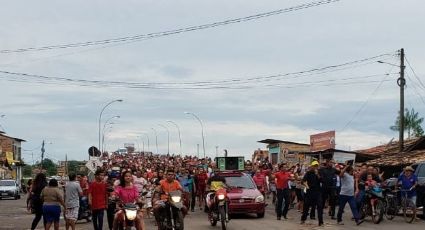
(300,194)
(51,213)
(72,213)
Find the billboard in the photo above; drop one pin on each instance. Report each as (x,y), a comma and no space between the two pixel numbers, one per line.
(322,141)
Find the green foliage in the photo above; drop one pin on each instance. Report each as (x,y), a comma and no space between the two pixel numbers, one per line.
(412,123)
(27,171)
(49,166)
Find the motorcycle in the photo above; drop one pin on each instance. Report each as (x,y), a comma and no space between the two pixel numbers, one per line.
(84,212)
(374,205)
(172,219)
(219,209)
(130,214)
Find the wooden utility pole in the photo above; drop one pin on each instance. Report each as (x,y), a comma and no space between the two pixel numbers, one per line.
(401,82)
(42,155)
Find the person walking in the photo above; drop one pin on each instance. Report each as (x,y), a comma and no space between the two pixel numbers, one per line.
(313,196)
(40,182)
(73,192)
(98,199)
(52,198)
(282,187)
(348,189)
(329,179)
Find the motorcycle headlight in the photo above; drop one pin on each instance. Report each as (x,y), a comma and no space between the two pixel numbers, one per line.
(259,199)
(131,214)
(220,196)
(176,199)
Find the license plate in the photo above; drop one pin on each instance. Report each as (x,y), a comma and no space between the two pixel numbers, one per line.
(241,201)
(4,194)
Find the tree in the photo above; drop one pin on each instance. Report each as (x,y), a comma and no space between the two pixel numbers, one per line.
(412,123)
(49,166)
(27,171)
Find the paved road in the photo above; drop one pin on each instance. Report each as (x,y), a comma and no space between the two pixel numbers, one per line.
(13,215)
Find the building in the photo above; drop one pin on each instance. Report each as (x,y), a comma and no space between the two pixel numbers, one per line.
(10,157)
(280,151)
(389,158)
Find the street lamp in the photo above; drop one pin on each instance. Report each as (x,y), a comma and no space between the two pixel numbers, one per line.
(107,122)
(143,142)
(1,116)
(180,139)
(101,112)
(156,139)
(202,129)
(148,141)
(104,135)
(168,132)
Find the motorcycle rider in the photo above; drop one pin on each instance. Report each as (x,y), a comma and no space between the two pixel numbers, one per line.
(167,185)
(126,192)
(214,183)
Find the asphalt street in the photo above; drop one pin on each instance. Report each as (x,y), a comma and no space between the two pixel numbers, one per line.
(13,215)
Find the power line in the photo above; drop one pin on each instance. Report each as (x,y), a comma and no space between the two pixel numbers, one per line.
(364,103)
(415,89)
(220,84)
(135,38)
(414,73)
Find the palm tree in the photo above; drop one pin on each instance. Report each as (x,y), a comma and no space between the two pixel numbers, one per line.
(412,123)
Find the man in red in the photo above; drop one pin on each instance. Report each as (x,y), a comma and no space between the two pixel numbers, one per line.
(260,180)
(98,199)
(201,185)
(282,187)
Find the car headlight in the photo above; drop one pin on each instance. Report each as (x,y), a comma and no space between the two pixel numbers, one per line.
(176,199)
(259,199)
(131,214)
(220,196)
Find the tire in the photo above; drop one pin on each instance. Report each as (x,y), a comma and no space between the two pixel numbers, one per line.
(179,221)
(379,212)
(390,208)
(260,215)
(212,220)
(409,211)
(222,211)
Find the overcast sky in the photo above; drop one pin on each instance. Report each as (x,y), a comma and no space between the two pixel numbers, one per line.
(289,108)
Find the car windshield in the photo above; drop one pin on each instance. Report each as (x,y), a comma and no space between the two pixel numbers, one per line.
(7,183)
(240,182)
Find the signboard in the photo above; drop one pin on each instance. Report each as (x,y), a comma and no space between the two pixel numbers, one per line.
(93,164)
(9,157)
(340,157)
(322,141)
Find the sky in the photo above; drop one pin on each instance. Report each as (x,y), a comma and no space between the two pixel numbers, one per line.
(236,77)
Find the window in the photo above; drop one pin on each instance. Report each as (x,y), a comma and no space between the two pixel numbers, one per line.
(7,183)
(421,171)
(240,182)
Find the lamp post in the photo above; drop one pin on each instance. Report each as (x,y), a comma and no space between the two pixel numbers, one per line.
(148,140)
(180,139)
(101,112)
(1,116)
(202,129)
(156,139)
(107,122)
(168,132)
(103,136)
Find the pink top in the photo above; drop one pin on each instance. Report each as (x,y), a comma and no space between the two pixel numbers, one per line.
(127,195)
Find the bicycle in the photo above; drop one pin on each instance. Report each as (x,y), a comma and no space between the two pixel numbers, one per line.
(394,205)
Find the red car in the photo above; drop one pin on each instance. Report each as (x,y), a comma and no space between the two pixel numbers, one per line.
(243,194)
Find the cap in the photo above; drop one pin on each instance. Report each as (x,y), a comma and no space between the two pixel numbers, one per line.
(314,163)
(409,168)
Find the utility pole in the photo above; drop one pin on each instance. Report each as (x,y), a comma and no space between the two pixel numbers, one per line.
(216,151)
(66,164)
(42,155)
(401,82)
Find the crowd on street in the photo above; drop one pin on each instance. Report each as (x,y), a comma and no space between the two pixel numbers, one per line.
(312,189)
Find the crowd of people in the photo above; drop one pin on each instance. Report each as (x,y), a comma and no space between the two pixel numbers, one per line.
(306,188)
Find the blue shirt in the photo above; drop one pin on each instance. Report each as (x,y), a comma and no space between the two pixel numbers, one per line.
(407,183)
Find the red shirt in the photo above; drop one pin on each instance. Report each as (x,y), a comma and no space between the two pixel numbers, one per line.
(98,195)
(282,179)
(259,179)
